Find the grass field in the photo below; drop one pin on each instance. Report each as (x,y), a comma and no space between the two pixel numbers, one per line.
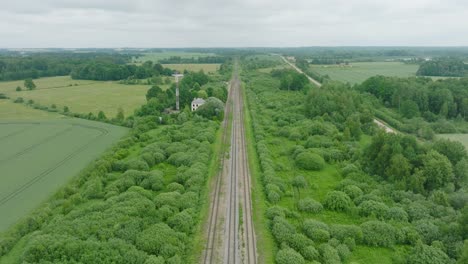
(360,71)
(207,68)
(37,157)
(156,56)
(12,111)
(463,138)
(81,96)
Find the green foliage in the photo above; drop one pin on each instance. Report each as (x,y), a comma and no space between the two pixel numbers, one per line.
(337,201)
(29,84)
(212,108)
(437,170)
(376,233)
(160,239)
(373,208)
(309,205)
(291,80)
(424,254)
(289,256)
(442,67)
(310,161)
(316,230)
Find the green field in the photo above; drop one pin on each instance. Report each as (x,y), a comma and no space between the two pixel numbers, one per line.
(81,96)
(193,67)
(12,111)
(156,56)
(462,138)
(360,71)
(37,157)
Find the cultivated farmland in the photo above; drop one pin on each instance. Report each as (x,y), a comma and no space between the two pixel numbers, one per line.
(37,157)
(81,96)
(208,68)
(360,71)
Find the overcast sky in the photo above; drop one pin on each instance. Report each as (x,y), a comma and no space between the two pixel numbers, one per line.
(235,23)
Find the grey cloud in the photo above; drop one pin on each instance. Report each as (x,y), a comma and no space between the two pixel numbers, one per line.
(184,23)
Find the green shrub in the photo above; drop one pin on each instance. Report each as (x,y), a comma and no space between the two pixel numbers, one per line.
(376,233)
(316,230)
(289,256)
(309,205)
(397,214)
(337,201)
(275,211)
(352,191)
(424,254)
(160,239)
(427,229)
(342,232)
(329,255)
(372,208)
(310,161)
(282,230)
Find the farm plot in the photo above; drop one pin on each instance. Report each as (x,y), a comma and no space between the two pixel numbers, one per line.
(37,157)
(81,96)
(208,68)
(360,71)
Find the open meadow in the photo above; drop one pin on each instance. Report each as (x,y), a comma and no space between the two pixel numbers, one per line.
(81,96)
(208,68)
(360,71)
(40,153)
(156,56)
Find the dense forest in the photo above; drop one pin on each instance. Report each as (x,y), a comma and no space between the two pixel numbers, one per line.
(105,71)
(35,65)
(338,188)
(423,97)
(443,67)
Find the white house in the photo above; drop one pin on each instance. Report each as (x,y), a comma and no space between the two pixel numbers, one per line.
(197,102)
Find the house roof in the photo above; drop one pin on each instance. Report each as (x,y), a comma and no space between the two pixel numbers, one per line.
(198,101)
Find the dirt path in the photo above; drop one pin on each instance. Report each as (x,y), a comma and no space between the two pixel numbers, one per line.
(231,236)
(379,123)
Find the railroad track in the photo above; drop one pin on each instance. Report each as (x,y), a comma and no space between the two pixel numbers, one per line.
(236,242)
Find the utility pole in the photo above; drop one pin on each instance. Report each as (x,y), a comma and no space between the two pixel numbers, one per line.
(177,76)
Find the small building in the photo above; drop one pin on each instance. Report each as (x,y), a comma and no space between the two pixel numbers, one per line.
(197,102)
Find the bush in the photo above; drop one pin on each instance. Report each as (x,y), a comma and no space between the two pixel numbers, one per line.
(428,230)
(376,233)
(160,239)
(310,161)
(342,232)
(137,164)
(316,230)
(337,201)
(309,205)
(372,208)
(343,251)
(182,222)
(275,211)
(289,256)
(282,230)
(397,214)
(329,254)
(424,254)
(352,191)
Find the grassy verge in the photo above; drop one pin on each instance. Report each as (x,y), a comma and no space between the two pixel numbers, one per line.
(265,243)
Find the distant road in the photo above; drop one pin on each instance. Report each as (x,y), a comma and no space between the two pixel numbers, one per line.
(300,71)
(312,80)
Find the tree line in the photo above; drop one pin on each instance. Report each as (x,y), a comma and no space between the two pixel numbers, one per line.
(451,67)
(36,65)
(201,59)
